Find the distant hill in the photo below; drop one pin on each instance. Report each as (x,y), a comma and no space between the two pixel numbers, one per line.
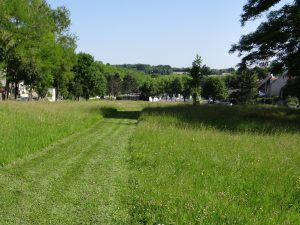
(167,69)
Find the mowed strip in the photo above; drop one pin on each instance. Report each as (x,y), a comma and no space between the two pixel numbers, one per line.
(75,181)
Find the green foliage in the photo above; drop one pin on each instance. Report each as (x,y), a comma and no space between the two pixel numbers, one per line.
(293,87)
(148,69)
(130,85)
(35,44)
(187,91)
(215,88)
(276,40)
(176,86)
(245,86)
(149,88)
(166,85)
(89,81)
(114,85)
(261,72)
(197,73)
(292,102)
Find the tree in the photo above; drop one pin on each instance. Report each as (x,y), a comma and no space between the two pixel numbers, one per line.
(149,88)
(31,43)
(292,88)
(197,73)
(245,85)
(114,85)
(176,86)
(186,92)
(130,85)
(88,80)
(276,41)
(215,88)
(96,82)
(261,72)
(65,52)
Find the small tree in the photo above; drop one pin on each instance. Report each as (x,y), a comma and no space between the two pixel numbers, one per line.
(176,86)
(149,88)
(114,84)
(215,88)
(246,85)
(186,92)
(197,73)
(130,84)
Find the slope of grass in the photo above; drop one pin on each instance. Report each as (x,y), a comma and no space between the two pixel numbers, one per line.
(27,127)
(215,165)
(77,180)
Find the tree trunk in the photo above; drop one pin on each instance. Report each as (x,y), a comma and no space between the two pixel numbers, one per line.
(57,92)
(30,94)
(16,89)
(6,90)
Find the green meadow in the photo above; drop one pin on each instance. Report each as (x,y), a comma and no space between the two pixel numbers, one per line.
(121,162)
(215,165)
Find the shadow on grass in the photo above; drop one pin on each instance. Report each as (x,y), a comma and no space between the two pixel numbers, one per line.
(256,119)
(117,114)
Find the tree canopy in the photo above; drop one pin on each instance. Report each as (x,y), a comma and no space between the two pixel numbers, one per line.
(276,41)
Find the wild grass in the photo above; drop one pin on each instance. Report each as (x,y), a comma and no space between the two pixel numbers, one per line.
(215,165)
(77,180)
(27,127)
(183,165)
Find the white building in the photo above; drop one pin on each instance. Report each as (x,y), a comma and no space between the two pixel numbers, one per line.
(51,96)
(272,86)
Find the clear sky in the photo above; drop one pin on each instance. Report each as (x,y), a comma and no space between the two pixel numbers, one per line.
(169,32)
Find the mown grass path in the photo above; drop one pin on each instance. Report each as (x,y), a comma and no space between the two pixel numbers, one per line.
(77,180)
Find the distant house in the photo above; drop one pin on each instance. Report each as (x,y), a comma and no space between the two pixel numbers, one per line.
(51,95)
(23,91)
(272,86)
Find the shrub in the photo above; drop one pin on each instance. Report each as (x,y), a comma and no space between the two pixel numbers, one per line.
(292,102)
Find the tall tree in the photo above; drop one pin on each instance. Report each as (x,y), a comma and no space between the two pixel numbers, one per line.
(89,80)
(277,40)
(30,41)
(198,71)
(66,57)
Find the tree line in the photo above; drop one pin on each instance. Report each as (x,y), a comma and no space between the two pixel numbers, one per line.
(37,48)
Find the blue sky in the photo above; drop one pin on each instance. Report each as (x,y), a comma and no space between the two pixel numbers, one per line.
(156,32)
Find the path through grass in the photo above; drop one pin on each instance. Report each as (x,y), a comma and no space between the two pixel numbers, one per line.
(75,181)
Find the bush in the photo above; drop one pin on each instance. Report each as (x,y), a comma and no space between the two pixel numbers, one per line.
(292,102)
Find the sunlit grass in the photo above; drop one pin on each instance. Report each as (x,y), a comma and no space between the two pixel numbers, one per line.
(29,126)
(215,165)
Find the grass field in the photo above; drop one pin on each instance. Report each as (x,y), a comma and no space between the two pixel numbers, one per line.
(215,165)
(78,177)
(89,163)
(27,127)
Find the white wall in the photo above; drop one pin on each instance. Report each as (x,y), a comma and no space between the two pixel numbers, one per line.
(52,95)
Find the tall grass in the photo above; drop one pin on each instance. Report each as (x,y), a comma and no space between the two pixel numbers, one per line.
(26,127)
(215,165)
